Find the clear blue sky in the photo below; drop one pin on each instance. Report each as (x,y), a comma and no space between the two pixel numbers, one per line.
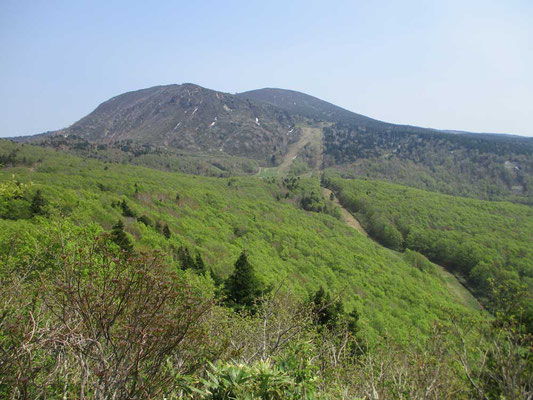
(450,64)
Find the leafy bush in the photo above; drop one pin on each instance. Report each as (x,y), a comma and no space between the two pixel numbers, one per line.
(260,380)
(112,322)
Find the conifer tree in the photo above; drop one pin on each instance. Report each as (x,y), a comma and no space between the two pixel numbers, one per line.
(242,286)
(166,231)
(353,319)
(37,203)
(327,312)
(199,264)
(185,259)
(126,210)
(118,235)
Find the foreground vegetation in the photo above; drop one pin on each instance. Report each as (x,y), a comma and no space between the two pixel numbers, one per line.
(84,318)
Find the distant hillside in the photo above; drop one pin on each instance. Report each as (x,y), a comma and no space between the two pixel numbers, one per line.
(482,165)
(319,110)
(189,117)
(164,126)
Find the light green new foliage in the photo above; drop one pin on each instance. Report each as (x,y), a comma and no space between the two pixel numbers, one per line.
(477,240)
(219,217)
(258,381)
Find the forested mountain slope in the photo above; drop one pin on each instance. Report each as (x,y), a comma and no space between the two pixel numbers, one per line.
(218,218)
(484,242)
(486,166)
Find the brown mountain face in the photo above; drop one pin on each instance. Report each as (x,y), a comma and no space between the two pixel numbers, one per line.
(305,105)
(189,117)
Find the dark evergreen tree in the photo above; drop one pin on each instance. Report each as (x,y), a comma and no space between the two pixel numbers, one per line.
(145,220)
(126,210)
(38,203)
(118,235)
(326,312)
(199,264)
(353,319)
(242,286)
(185,259)
(166,231)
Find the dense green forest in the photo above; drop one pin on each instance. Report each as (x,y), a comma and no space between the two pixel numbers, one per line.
(480,241)
(217,218)
(166,159)
(121,281)
(487,167)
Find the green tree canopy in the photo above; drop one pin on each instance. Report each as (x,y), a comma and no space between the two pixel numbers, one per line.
(242,286)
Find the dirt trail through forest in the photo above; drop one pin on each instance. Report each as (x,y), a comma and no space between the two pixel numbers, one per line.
(313,135)
(309,135)
(348,218)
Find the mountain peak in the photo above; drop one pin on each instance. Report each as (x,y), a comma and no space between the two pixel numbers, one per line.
(304,104)
(191,118)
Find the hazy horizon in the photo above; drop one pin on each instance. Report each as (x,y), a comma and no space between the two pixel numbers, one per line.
(442,65)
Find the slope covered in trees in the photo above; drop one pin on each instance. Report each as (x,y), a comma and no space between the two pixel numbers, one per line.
(479,240)
(163,158)
(120,281)
(218,218)
(485,166)
(488,167)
